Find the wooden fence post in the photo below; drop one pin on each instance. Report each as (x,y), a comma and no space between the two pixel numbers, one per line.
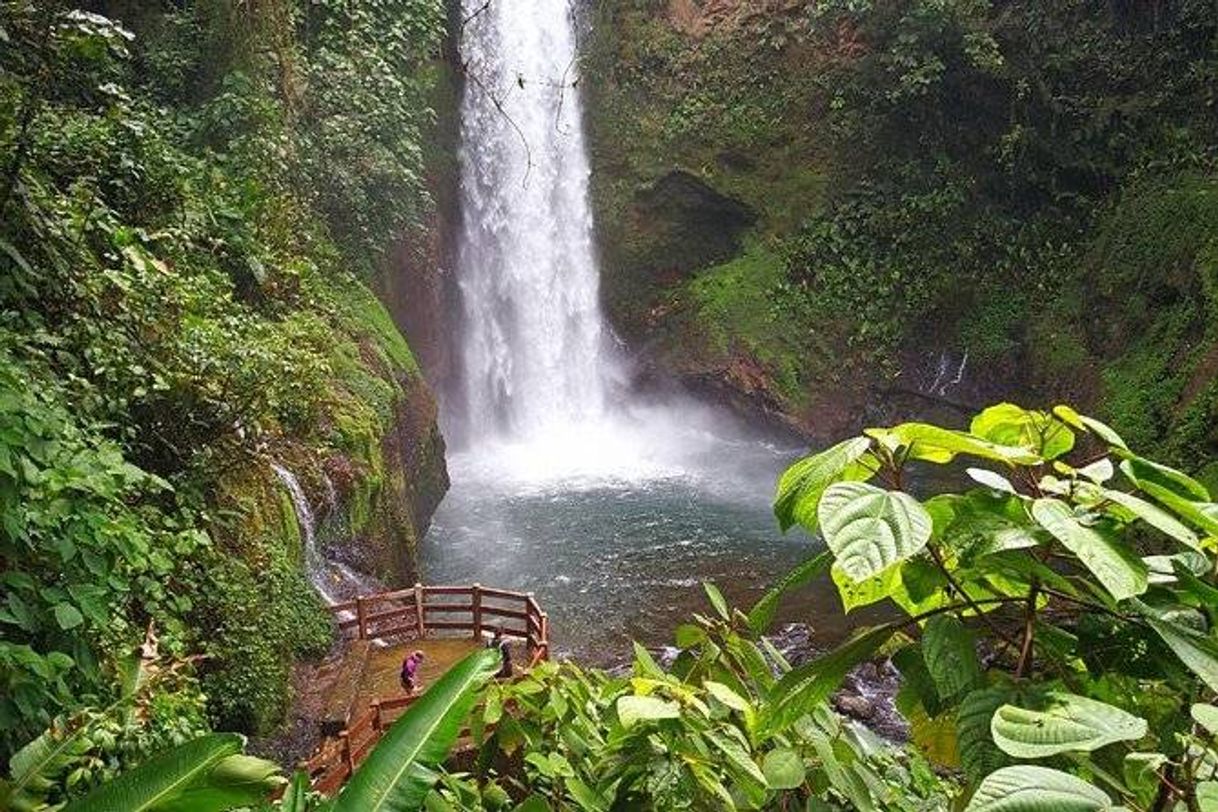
(360,613)
(545,636)
(420,627)
(476,601)
(346,752)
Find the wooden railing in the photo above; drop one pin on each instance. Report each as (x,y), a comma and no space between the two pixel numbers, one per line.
(411,614)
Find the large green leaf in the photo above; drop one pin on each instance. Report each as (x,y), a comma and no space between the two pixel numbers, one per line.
(1010,425)
(1028,788)
(1155,516)
(870,529)
(296,795)
(951,656)
(867,591)
(762,613)
(1141,770)
(633,710)
(236,782)
(399,771)
(982,524)
(992,480)
(801,485)
(978,754)
(936,444)
(202,775)
(1145,472)
(1080,421)
(1196,649)
(33,767)
(1175,490)
(1206,716)
(717,601)
(1065,723)
(1121,572)
(1207,796)
(739,763)
(783,768)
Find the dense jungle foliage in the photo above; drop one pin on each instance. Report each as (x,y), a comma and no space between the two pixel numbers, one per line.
(196,196)
(1055,636)
(192,198)
(865,186)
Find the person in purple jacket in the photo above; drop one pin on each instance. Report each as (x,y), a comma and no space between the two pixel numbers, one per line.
(410,670)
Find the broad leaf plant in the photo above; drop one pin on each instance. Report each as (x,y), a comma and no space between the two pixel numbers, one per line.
(1056,630)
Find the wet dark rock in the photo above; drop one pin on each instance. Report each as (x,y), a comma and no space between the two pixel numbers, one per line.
(868,693)
(854,706)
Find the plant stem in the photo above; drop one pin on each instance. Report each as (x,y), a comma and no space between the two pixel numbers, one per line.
(1087,604)
(1029,630)
(934,553)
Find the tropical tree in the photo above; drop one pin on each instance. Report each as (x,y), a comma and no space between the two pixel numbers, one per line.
(1058,641)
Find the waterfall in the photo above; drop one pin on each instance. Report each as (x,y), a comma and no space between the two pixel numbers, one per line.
(315,563)
(534,353)
(544,404)
(944,379)
(333,580)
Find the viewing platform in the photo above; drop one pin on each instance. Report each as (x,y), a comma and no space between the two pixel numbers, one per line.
(444,622)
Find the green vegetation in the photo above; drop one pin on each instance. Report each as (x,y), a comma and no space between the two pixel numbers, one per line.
(1055,635)
(193,198)
(799,202)
(1099,663)
(1030,184)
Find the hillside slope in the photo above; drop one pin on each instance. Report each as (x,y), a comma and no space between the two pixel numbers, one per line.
(823,210)
(194,201)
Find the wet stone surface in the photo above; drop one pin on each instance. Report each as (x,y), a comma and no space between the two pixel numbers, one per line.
(868,693)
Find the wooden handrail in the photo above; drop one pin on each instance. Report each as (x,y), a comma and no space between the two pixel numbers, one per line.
(370,612)
(336,759)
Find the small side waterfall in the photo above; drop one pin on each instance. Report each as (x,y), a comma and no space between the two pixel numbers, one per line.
(333,580)
(315,564)
(944,378)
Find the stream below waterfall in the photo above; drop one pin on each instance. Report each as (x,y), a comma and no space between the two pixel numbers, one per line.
(616,541)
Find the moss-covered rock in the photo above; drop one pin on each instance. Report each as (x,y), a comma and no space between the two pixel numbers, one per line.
(372,467)
(702,166)
(807,209)
(1139,324)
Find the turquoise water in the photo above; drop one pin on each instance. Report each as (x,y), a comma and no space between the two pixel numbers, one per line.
(620,553)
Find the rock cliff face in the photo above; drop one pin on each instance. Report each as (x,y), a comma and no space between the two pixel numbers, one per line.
(391,506)
(812,210)
(417,288)
(416,284)
(373,470)
(706,156)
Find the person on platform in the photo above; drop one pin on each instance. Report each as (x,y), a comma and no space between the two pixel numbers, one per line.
(505,653)
(410,671)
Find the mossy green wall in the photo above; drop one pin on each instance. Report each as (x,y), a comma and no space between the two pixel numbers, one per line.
(377,442)
(1106,301)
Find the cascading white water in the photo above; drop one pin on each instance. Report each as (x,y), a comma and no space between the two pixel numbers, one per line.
(315,564)
(535,350)
(563,483)
(333,580)
(543,400)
